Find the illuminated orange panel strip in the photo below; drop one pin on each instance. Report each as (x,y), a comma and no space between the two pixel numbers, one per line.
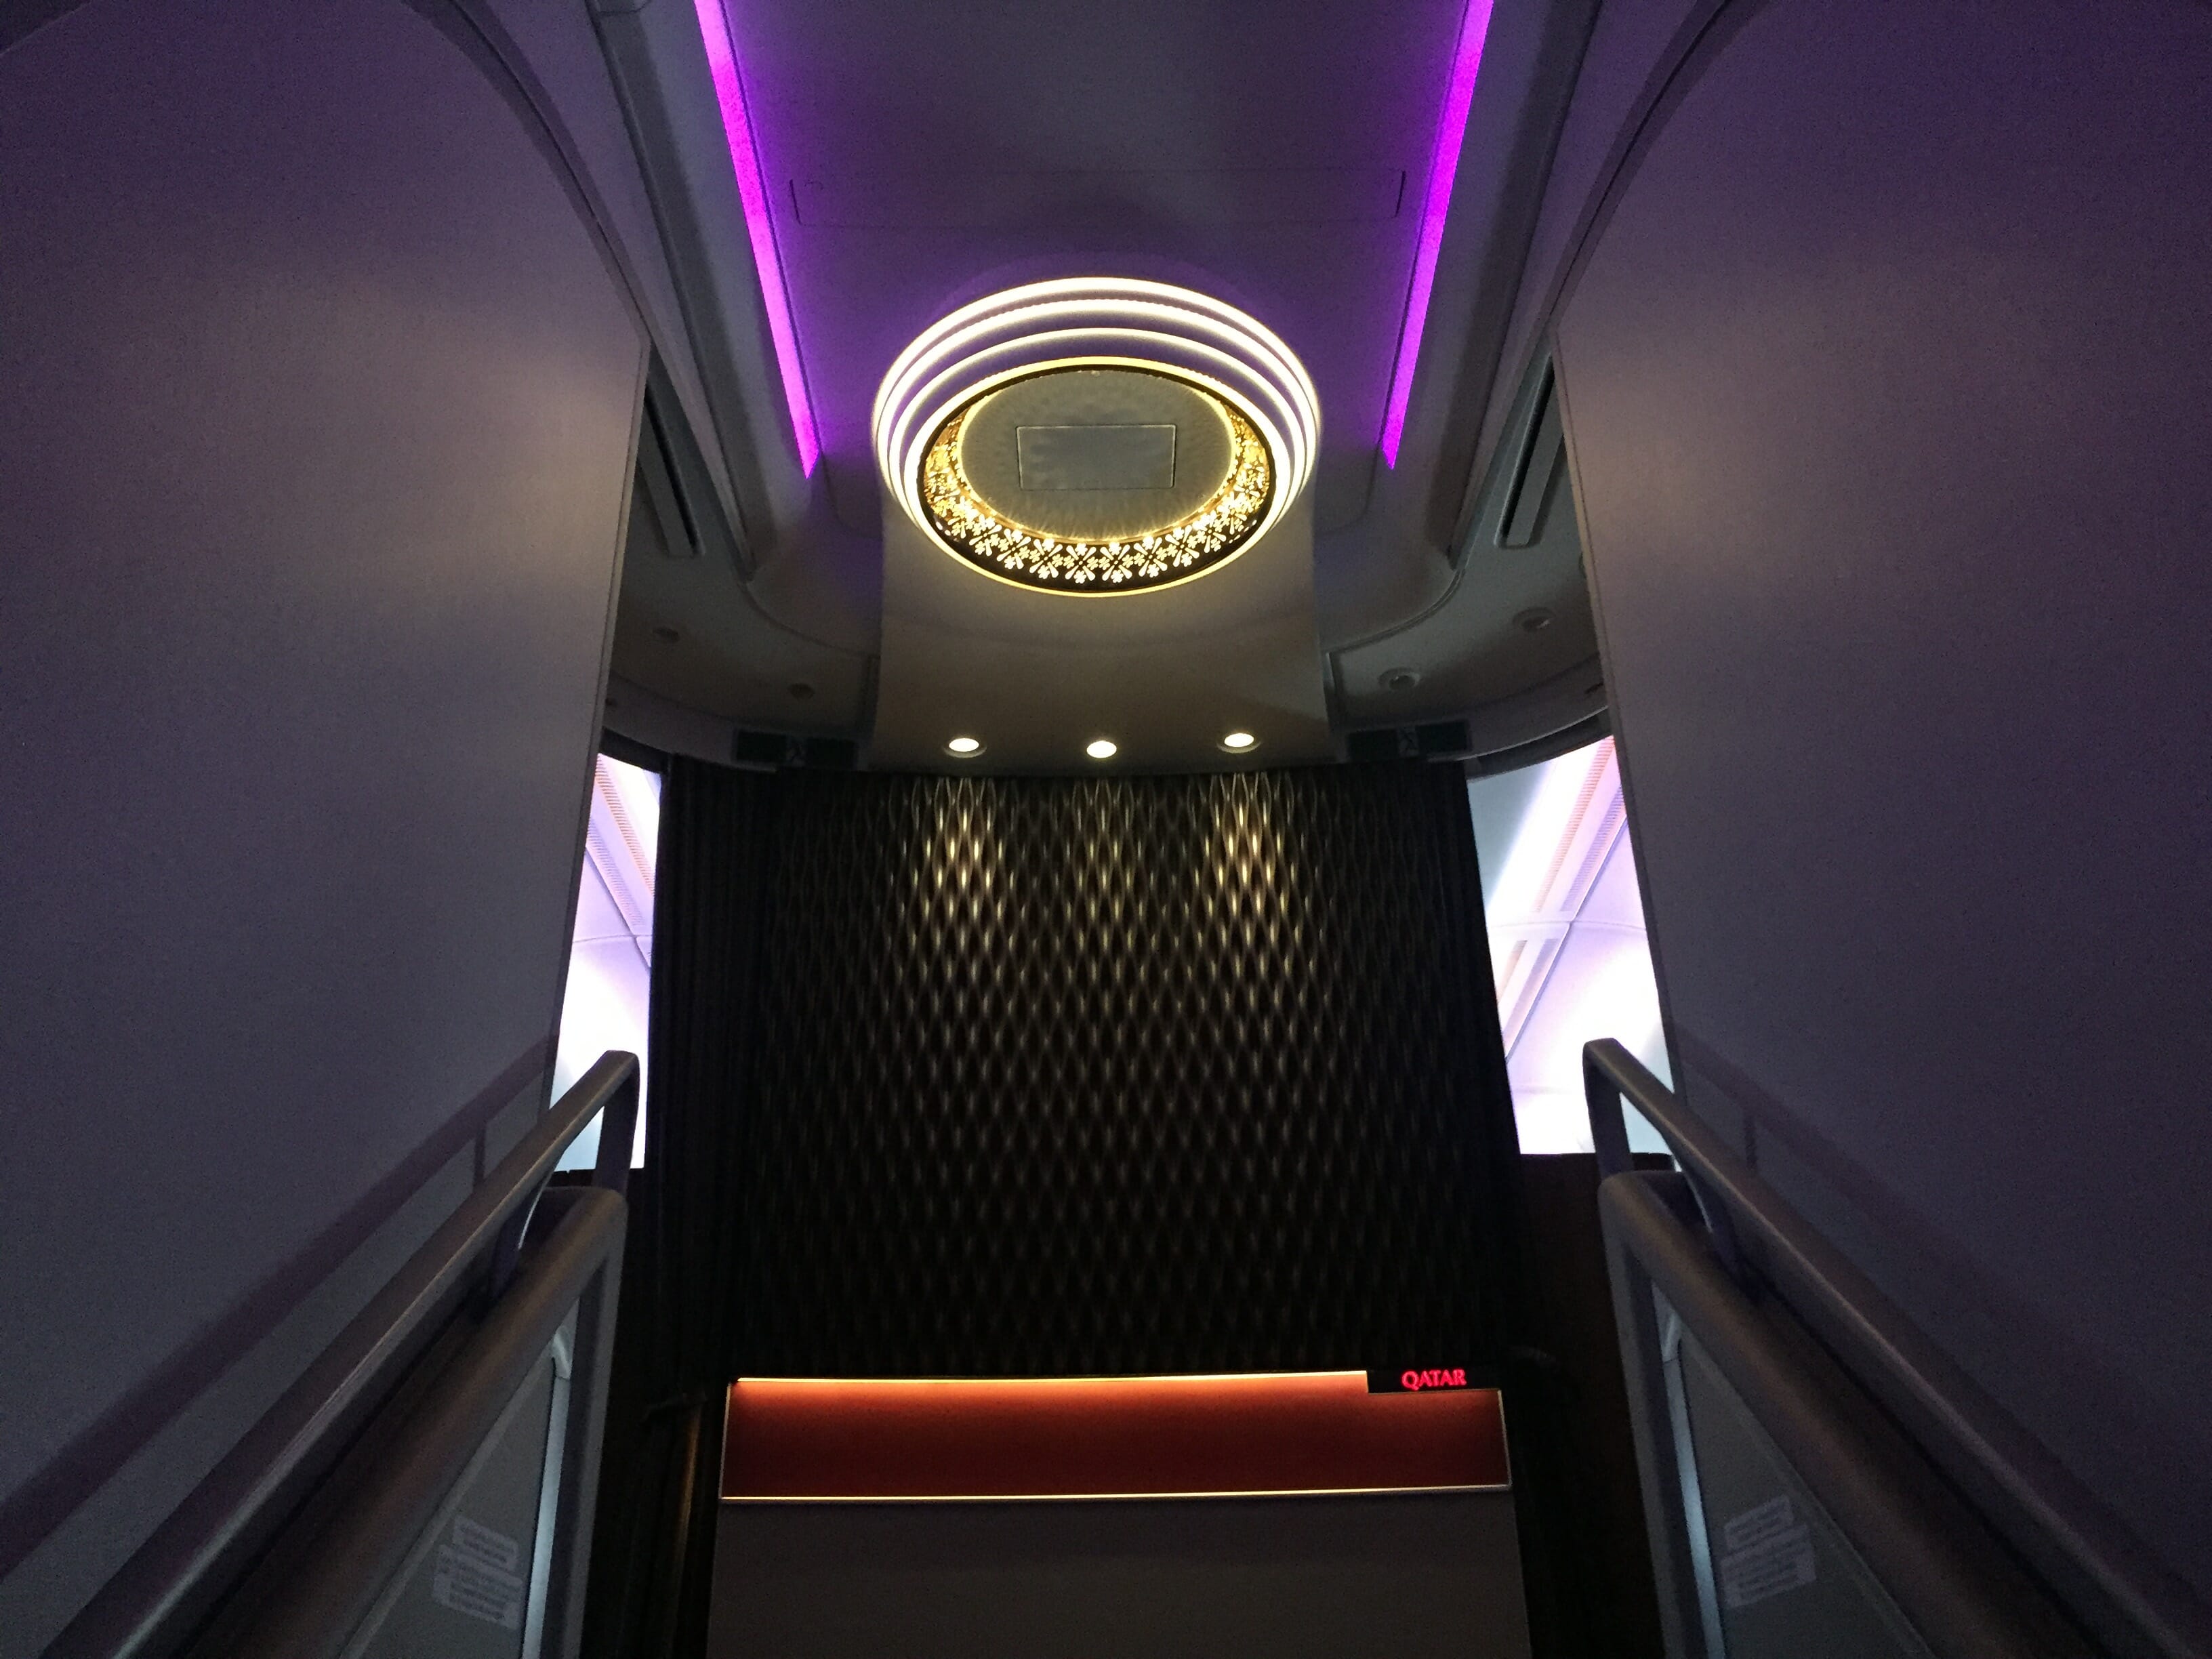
(1100,1438)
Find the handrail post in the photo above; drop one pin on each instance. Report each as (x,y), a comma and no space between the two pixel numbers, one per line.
(1608,1120)
(609,1169)
(1611,1074)
(617,1132)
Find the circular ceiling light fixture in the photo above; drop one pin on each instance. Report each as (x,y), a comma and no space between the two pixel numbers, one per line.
(1102,749)
(963,747)
(1097,436)
(1239,742)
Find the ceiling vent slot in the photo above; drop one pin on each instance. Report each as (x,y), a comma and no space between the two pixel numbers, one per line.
(1543,448)
(664,496)
(1436,740)
(675,493)
(769,751)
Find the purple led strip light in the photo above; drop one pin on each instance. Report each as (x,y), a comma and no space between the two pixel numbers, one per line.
(1459,96)
(730,94)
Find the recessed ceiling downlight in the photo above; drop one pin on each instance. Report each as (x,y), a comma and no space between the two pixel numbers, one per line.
(1102,749)
(1239,742)
(1096,436)
(963,747)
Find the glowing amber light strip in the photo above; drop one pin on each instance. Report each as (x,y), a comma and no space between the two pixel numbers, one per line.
(1105,1438)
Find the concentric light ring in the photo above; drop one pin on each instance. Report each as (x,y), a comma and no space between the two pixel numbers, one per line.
(1101,323)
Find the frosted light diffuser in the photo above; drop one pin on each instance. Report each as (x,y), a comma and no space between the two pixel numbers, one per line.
(760,228)
(1436,203)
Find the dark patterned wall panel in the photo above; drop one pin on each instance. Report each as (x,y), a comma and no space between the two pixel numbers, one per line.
(1133,1075)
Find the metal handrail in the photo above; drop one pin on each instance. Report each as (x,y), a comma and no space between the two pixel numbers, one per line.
(364,1554)
(2127,1600)
(1932,1558)
(168,1586)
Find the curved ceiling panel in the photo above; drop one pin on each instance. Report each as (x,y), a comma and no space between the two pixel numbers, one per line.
(1361,182)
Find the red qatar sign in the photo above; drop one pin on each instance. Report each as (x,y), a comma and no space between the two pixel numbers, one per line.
(1415,1382)
(1422,1379)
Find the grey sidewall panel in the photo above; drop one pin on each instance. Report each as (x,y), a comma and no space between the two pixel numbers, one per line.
(321,401)
(1883,371)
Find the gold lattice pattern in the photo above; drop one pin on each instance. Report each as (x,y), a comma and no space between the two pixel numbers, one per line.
(1206,537)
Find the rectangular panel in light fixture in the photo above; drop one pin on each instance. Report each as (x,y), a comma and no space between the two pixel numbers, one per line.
(1095,457)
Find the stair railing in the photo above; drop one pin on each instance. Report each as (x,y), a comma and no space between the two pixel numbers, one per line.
(1802,1337)
(297,1541)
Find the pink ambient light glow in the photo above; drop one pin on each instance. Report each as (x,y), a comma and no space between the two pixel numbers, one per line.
(730,94)
(1459,96)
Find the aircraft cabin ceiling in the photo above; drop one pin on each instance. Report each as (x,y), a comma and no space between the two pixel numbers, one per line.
(1056,373)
